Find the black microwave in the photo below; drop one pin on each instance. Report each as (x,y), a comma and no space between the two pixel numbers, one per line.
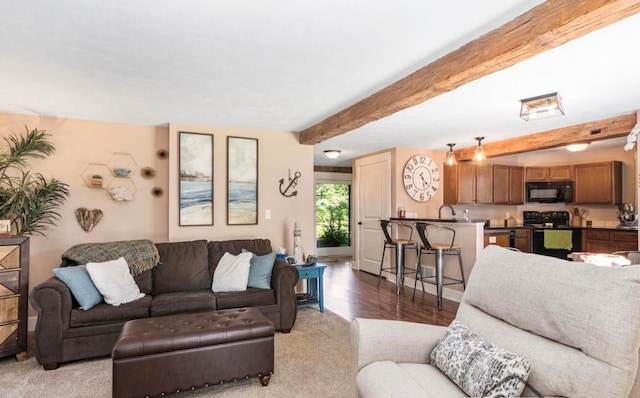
(550,192)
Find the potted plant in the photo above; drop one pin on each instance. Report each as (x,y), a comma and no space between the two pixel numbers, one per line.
(96,181)
(29,200)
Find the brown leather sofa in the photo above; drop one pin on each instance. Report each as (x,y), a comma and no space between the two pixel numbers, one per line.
(180,283)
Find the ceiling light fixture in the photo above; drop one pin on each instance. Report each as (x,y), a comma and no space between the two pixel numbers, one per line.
(450,160)
(332,153)
(479,155)
(541,107)
(577,147)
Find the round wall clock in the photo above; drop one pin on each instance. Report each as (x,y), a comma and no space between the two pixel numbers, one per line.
(421,178)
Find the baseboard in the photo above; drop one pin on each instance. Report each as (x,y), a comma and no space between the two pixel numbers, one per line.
(31,323)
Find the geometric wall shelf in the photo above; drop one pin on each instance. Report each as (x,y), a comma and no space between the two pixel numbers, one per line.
(97,169)
(122,160)
(122,189)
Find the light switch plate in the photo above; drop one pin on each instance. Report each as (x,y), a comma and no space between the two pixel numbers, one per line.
(267,214)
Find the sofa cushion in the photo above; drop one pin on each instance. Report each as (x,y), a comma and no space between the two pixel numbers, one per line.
(105,313)
(383,379)
(249,298)
(217,249)
(181,302)
(114,281)
(79,282)
(479,367)
(232,273)
(260,270)
(145,281)
(183,267)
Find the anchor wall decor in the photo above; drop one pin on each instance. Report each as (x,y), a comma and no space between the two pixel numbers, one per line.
(291,184)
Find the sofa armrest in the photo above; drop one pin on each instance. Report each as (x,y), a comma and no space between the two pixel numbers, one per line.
(398,341)
(283,280)
(52,300)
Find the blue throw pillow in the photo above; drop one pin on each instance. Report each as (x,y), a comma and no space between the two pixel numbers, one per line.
(260,270)
(79,282)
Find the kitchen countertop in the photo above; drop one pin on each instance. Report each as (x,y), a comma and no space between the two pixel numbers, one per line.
(497,228)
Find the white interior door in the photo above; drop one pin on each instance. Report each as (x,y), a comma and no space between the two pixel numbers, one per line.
(373,200)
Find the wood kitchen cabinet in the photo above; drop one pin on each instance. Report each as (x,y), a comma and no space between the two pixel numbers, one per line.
(598,183)
(14,290)
(523,239)
(608,241)
(500,238)
(468,183)
(549,173)
(508,185)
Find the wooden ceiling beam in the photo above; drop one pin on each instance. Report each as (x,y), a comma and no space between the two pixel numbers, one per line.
(544,27)
(618,126)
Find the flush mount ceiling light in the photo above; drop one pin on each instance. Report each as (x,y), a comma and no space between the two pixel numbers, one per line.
(450,160)
(577,147)
(479,155)
(541,107)
(332,153)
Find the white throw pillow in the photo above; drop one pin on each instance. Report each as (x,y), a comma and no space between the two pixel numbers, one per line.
(232,273)
(114,281)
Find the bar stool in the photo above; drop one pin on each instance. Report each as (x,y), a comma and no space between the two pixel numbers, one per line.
(439,250)
(400,245)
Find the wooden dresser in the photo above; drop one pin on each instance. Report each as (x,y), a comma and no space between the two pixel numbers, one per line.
(14,290)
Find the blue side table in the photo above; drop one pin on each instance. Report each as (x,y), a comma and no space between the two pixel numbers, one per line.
(315,293)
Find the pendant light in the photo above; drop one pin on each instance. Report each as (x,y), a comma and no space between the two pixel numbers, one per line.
(450,160)
(479,155)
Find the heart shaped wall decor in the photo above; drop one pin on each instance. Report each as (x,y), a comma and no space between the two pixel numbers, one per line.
(88,218)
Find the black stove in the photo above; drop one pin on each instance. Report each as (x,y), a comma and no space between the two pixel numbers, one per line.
(546,219)
(541,221)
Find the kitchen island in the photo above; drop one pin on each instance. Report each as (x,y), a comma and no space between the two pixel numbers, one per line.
(469,236)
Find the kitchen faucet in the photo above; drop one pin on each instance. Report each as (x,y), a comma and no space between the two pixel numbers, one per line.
(453,212)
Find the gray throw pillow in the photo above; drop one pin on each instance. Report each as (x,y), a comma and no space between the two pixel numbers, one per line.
(479,367)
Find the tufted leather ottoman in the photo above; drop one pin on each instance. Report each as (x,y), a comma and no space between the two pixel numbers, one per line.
(155,356)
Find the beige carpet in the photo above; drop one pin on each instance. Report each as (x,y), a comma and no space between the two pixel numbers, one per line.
(311,361)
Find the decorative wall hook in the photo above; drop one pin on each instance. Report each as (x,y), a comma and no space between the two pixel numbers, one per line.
(292,184)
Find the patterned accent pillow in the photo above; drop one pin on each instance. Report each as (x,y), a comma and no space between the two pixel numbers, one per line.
(477,366)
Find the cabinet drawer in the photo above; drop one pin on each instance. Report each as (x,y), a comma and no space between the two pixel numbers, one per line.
(522,233)
(308,274)
(9,257)
(598,235)
(9,283)
(8,336)
(9,309)
(624,236)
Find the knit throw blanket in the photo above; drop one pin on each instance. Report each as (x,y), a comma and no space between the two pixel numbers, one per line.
(141,255)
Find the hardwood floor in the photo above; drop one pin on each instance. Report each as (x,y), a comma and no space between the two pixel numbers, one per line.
(352,294)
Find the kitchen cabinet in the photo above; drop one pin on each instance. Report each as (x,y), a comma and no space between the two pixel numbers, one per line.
(468,183)
(608,241)
(523,239)
(508,185)
(549,173)
(598,183)
(14,290)
(502,237)
(499,237)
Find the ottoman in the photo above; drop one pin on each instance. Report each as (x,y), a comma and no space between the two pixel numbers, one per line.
(155,356)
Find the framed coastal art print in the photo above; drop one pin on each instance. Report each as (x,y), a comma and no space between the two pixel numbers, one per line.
(196,178)
(242,181)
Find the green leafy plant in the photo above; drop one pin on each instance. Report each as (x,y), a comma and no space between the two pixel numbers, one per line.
(29,199)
